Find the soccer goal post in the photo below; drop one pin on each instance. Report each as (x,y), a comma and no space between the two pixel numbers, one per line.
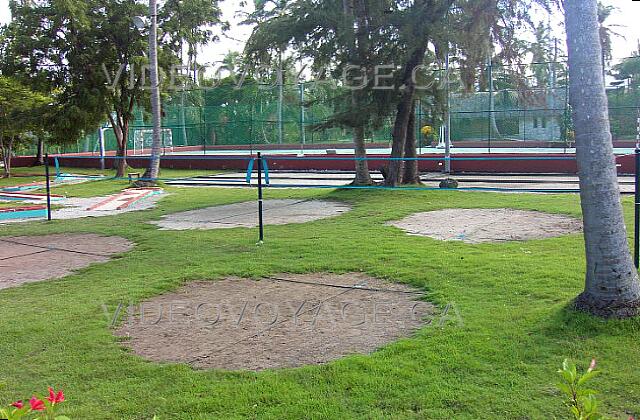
(143,139)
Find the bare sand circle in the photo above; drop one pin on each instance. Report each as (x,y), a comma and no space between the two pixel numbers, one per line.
(488,225)
(245,214)
(25,259)
(278,322)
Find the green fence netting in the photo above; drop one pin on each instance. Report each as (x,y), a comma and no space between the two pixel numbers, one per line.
(504,107)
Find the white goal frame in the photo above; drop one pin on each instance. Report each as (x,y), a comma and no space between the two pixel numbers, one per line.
(143,139)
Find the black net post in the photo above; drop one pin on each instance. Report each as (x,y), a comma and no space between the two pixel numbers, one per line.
(260,199)
(48,182)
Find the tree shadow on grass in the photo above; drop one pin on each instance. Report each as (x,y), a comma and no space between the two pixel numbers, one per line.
(568,323)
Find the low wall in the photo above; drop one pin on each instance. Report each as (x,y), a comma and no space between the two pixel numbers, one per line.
(468,162)
(494,163)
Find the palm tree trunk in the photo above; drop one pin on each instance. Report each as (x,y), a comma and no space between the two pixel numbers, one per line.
(612,287)
(153,171)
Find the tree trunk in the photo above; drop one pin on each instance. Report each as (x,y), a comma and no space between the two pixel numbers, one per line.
(405,107)
(493,124)
(363,177)
(7,150)
(40,153)
(121,153)
(357,9)
(612,287)
(153,171)
(394,170)
(411,173)
(495,131)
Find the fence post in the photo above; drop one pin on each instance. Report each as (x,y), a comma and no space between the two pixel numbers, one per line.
(260,200)
(46,173)
(636,206)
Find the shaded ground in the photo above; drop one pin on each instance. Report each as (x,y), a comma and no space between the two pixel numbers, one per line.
(281,321)
(488,225)
(245,214)
(25,259)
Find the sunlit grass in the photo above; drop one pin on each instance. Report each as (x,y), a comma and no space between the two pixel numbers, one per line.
(500,362)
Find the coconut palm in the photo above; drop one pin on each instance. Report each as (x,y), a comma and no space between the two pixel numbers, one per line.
(612,287)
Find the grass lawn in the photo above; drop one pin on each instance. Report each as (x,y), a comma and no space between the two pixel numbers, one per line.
(501,362)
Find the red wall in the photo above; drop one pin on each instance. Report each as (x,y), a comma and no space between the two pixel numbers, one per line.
(492,163)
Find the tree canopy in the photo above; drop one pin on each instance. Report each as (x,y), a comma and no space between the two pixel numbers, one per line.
(21,113)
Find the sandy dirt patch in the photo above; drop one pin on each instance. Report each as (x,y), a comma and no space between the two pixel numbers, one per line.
(25,259)
(488,225)
(283,321)
(245,214)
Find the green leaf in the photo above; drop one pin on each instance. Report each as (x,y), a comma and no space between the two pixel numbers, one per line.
(564,388)
(575,412)
(587,376)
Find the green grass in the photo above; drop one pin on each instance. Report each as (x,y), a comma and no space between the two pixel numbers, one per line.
(500,363)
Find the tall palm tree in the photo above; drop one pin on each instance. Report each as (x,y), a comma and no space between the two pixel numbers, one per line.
(153,171)
(612,288)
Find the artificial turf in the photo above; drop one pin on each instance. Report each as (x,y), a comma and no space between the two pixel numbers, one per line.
(495,356)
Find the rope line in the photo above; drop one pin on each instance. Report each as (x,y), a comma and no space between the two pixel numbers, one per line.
(52,248)
(338,286)
(25,255)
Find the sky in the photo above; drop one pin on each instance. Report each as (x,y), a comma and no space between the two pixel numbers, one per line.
(626,17)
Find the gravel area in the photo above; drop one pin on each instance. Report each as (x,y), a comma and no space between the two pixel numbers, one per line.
(245,214)
(488,225)
(25,259)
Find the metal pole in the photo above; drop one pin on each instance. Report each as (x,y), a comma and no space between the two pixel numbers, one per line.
(419,127)
(183,117)
(447,142)
(638,130)
(260,200)
(636,236)
(490,71)
(280,99)
(46,173)
(101,140)
(302,131)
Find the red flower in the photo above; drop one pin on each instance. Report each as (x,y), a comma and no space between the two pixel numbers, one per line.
(18,404)
(36,404)
(55,398)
